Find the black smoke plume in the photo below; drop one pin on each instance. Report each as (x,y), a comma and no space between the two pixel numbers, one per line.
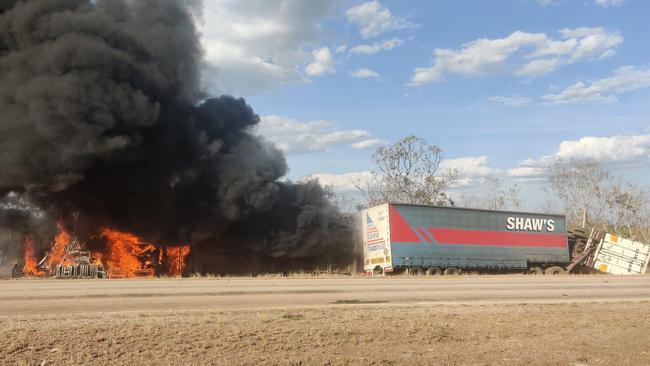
(101,113)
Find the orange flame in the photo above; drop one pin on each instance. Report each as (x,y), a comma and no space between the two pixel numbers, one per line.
(29,268)
(176,259)
(123,253)
(99,258)
(57,252)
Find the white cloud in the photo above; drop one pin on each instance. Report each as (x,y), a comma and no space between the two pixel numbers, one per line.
(515,101)
(538,67)
(621,148)
(368,144)
(371,49)
(321,64)
(364,73)
(259,45)
(625,79)
(293,136)
(607,3)
(526,172)
(343,182)
(591,42)
(341,49)
(613,149)
(374,19)
(538,54)
(471,169)
(602,3)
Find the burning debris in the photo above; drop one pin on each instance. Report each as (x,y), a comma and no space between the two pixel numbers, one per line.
(78,263)
(125,256)
(66,259)
(129,256)
(176,259)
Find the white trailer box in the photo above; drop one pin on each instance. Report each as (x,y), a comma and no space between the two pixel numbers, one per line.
(617,255)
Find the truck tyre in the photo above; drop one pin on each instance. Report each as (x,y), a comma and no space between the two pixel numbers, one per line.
(555,270)
(535,271)
(452,271)
(434,271)
(416,271)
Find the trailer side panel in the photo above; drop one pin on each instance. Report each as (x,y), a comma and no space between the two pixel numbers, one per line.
(429,236)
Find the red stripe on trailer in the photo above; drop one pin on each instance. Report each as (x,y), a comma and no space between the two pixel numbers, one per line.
(400,230)
(494,238)
(424,234)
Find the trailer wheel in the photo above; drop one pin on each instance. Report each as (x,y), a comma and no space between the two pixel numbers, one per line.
(434,271)
(535,271)
(452,271)
(472,273)
(416,271)
(377,271)
(555,270)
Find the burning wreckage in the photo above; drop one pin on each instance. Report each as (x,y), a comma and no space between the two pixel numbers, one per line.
(126,256)
(76,263)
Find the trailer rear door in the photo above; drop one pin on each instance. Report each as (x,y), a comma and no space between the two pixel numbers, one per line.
(376,238)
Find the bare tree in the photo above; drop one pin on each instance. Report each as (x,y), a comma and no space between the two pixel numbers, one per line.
(591,196)
(643,232)
(628,206)
(492,195)
(549,207)
(499,197)
(345,204)
(582,186)
(408,172)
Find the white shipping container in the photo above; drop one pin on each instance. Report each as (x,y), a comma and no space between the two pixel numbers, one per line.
(617,255)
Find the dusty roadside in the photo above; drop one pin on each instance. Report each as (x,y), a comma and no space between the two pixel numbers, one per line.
(540,334)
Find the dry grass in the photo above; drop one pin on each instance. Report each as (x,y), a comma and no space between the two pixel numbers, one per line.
(565,334)
(296,275)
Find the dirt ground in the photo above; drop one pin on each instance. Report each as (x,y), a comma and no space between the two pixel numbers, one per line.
(362,334)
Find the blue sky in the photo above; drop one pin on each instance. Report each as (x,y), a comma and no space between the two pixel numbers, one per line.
(503,87)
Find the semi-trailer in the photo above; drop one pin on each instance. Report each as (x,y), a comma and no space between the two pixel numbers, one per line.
(417,239)
(616,255)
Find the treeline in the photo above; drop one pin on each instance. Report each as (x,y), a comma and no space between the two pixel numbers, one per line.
(412,171)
